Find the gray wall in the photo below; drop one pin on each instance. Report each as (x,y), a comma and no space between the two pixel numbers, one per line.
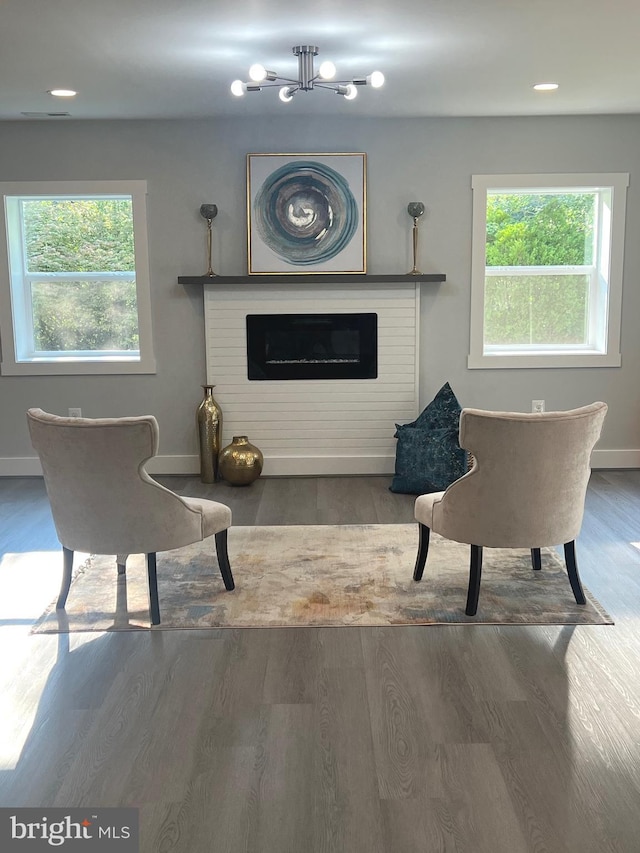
(432,160)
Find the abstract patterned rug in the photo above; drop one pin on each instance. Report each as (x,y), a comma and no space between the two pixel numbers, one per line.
(322,575)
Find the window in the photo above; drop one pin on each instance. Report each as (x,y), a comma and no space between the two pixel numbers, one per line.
(75,295)
(546,281)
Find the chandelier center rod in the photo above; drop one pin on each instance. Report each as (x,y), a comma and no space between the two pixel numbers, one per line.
(306,75)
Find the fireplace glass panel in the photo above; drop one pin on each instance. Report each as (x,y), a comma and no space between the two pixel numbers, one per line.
(312,346)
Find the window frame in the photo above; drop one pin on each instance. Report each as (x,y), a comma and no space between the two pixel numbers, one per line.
(605,288)
(15,303)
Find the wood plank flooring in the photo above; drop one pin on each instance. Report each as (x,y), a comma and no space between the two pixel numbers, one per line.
(461,739)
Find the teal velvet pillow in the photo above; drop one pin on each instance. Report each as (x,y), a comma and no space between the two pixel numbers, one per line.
(443,411)
(428,456)
(427,460)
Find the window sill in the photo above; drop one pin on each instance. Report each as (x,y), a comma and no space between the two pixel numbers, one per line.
(76,368)
(555,360)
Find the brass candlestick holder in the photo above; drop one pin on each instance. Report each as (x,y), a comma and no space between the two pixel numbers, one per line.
(415,209)
(209,212)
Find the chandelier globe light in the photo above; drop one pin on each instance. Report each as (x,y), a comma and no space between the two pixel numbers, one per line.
(308,78)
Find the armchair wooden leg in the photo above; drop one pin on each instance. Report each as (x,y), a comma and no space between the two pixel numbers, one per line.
(67,567)
(223,559)
(572,571)
(475,573)
(423,550)
(154,604)
(536,559)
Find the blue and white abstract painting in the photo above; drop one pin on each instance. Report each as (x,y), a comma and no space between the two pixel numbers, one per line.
(306,213)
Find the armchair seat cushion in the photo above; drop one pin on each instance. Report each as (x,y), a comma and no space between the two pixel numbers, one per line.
(424,508)
(215,516)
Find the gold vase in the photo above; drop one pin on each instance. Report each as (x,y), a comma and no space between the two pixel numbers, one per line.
(241,462)
(209,419)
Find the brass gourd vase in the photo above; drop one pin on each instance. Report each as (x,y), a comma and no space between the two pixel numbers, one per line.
(209,420)
(241,462)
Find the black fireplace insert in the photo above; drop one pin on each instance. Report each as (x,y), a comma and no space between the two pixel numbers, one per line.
(312,346)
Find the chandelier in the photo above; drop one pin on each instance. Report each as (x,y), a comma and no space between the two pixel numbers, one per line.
(307,80)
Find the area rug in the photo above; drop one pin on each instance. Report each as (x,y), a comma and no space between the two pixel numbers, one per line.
(321,575)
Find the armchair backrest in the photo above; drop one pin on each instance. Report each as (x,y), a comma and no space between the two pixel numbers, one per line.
(528,484)
(102,499)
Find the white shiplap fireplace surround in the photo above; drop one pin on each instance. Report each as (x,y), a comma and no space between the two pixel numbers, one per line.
(316,427)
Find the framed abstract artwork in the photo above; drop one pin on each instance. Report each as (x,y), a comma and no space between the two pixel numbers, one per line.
(306,213)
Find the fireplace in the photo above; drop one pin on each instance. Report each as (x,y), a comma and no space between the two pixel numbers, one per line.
(324,427)
(312,346)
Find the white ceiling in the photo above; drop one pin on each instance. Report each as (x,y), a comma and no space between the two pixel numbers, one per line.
(177,58)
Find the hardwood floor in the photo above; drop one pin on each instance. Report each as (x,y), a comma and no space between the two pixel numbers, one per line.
(483,739)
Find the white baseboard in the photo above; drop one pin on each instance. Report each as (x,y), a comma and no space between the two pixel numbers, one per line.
(274,466)
(615,459)
(305,466)
(290,466)
(179,465)
(26,466)
(310,466)
(29,466)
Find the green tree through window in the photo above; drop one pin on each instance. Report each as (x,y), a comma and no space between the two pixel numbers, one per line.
(75,237)
(538,230)
(71,235)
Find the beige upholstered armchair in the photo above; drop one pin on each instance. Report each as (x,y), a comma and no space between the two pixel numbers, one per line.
(104,502)
(526,488)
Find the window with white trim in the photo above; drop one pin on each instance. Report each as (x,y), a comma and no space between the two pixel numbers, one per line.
(74,282)
(546,277)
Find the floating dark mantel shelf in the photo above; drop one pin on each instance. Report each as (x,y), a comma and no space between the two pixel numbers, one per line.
(315,278)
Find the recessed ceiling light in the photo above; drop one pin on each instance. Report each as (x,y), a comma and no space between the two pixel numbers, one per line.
(545,87)
(62,93)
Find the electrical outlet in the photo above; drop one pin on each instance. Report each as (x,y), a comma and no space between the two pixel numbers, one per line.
(75,413)
(537,406)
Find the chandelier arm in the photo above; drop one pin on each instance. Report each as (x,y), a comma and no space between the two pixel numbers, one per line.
(276,82)
(324,84)
(330,86)
(270,85)
(288,80)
